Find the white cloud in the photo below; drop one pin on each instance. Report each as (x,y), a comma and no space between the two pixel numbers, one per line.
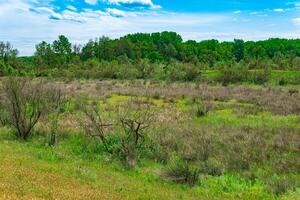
(296,4)
(139,2)
(296,21)
(115,12)
(48,11)
(278,10)
(72,8)
(92,2)
(237,12)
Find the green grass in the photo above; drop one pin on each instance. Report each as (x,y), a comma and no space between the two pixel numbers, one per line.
(261,120)
(32,170)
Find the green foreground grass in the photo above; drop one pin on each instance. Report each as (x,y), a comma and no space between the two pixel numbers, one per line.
(30,170)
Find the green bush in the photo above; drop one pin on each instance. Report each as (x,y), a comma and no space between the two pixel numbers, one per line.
(182,72)
(232,73)
(259,76)
(182,171)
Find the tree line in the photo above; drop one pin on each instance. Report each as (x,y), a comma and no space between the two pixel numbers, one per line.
(167,46)
(161,48)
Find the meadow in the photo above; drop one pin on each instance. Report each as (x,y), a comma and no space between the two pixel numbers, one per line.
(143,139)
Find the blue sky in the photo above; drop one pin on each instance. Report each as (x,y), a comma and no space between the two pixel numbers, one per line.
(27,22)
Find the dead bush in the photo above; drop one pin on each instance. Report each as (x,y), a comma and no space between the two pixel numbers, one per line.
(134,118)
(56,101)
(23,103)
(93,123)
(193,144)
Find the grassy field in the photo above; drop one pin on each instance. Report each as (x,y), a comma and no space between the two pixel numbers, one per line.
(244,139)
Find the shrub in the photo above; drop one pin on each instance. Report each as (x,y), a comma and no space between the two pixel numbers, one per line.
(134,120)
(56,103)
(202,109)
(212,167)
(232,73)
(156,95)
(93,124)
(259,76)
(23,103)
(130,128)
(182,72)
(181,171)
(282,81)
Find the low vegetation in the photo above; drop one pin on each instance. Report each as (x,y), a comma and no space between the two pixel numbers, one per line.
(170,140)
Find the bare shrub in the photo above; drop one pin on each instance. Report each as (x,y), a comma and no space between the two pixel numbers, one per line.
(190,143)
(135,117)
(56,101)
(23,103)
(94,125)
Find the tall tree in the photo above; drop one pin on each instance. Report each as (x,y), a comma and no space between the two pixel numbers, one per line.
(44,55)
(63,49)
(238,49)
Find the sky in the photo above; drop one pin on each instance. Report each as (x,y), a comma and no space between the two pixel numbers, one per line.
(25,23)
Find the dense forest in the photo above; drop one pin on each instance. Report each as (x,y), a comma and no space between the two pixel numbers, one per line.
(143,55)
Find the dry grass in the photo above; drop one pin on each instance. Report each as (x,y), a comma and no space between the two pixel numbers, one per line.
(271,99)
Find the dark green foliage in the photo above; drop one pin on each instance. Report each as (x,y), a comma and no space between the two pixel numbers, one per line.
(57,54)
(238,50)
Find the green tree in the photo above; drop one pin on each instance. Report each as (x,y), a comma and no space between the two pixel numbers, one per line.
(238,49)
(63,50)
(44,55)
(7,53)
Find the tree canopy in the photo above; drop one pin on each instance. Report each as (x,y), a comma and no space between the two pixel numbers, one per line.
(164,47)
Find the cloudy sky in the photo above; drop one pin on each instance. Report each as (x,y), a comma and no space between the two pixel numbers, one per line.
(27,22)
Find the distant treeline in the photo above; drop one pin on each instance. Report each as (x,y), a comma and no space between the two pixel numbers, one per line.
(134,53)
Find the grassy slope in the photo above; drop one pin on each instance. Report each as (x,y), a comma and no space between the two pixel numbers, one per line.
(31,171)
